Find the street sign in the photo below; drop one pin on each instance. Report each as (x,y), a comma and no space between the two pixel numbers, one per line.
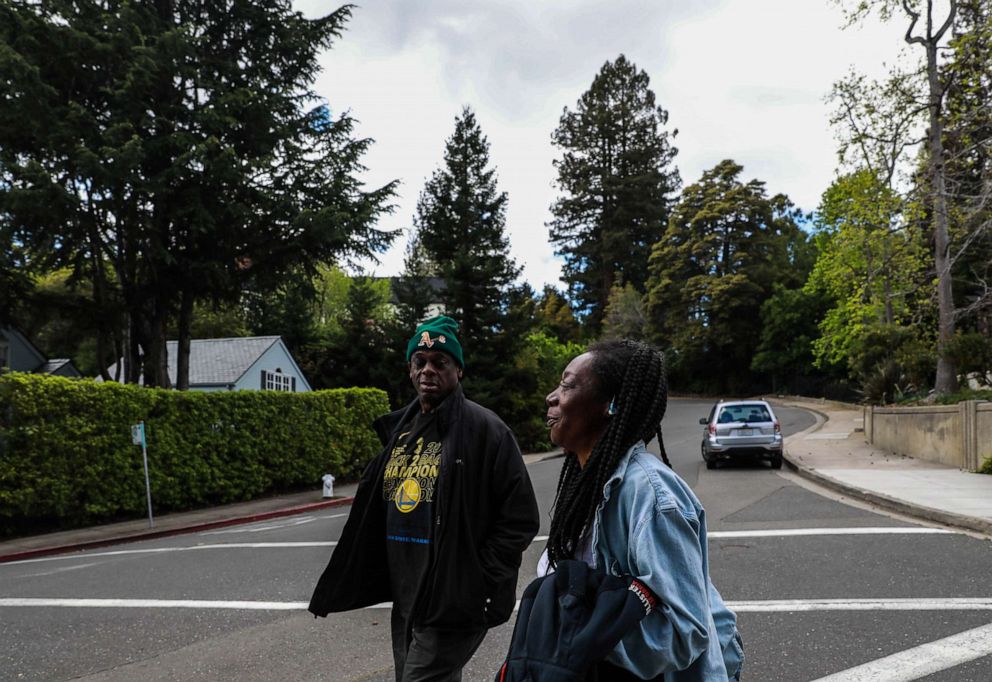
(138,434)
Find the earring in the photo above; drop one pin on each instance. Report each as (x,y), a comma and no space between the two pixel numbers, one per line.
(612,409)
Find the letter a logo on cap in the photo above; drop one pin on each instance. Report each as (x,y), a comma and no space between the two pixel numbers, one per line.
(425,340)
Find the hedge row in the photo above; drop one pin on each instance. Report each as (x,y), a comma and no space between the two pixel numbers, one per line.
(66,458)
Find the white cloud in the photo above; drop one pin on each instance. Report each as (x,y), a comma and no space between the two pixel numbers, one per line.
(741,79)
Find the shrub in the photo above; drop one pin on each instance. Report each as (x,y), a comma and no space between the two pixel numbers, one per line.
(66,457)
(971,352)
(883,384)
(537,370)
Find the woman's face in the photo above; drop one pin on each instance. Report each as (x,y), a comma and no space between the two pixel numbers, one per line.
(577,414)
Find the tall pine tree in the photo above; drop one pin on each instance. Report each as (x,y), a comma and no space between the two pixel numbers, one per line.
(176,151)
(616,180)
(460,226)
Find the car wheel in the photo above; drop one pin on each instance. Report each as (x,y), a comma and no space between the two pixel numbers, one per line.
(777,461)
(711,464)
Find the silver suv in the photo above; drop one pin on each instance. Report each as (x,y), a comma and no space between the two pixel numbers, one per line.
(743,428)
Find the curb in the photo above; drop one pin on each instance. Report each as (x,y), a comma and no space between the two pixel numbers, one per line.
(195,528)
(886,502)
(182,530)
(892,503)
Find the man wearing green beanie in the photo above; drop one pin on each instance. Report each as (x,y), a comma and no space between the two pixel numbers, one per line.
(440,519)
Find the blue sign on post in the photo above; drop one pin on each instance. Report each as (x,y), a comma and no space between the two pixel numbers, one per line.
(138,438)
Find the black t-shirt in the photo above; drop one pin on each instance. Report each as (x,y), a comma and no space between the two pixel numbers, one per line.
(409,492)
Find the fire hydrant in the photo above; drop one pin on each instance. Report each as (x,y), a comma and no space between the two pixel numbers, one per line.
(328,485)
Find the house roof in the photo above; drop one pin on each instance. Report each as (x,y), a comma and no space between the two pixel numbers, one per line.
(219,361)
(43,366)
(12,334)
(53,365)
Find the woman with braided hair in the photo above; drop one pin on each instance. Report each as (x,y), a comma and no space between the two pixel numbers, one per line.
(622,509)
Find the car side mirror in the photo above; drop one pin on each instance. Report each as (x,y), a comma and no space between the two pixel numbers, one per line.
(704,421)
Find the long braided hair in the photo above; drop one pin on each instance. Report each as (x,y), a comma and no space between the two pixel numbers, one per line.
(632,374)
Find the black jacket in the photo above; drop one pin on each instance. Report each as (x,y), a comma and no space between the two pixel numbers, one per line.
(486,516)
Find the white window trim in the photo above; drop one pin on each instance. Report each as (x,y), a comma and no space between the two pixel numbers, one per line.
(277,381)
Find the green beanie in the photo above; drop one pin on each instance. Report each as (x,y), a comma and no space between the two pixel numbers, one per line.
(437,333)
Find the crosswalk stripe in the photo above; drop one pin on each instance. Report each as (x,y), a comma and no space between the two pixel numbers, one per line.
(157,604)
(799,605)
(801,532)
(738,534)
(770,606)
(923,660)
(797,532)
(165,550)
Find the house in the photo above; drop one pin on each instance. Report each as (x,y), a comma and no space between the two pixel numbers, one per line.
(17,354)
(239,364)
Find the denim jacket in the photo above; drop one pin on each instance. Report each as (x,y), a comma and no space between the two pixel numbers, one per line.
(651,525)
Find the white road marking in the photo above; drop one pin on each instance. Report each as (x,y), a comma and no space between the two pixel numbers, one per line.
(794,532)
(159,604)
(926,659)
(785,532)
(258,529)
(60,570)
(773,606)
(164,550)
(799,605)
(799,532)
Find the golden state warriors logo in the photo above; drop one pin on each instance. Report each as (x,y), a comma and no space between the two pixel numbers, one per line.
(407,495)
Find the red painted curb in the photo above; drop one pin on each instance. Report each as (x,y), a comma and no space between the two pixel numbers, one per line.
(152,534)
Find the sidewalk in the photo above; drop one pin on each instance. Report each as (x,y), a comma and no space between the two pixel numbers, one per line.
(834,453)
(185,522)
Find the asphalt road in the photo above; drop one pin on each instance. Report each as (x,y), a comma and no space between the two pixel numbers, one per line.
(821,587)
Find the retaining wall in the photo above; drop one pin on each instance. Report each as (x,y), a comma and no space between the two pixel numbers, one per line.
(957,435)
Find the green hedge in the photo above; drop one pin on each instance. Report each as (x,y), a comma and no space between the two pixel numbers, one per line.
(66,458)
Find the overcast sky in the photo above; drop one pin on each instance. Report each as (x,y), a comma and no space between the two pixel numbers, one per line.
(741,79)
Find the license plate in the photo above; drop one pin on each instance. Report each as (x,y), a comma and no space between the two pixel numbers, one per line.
(744,432)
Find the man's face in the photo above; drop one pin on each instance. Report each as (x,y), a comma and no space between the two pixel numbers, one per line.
(434,374)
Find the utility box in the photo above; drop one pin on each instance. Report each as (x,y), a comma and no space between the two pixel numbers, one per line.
(328,481)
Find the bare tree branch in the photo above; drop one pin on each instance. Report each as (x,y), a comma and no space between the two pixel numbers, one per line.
(914,16)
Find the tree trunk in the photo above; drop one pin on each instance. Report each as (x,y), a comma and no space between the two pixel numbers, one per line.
(947,380)
(182,347)
(133,345)
(103,329)
(156,358)
(161,337)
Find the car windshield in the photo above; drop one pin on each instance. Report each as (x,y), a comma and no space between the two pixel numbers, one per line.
(744,413)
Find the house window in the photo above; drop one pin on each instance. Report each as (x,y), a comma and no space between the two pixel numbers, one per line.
(277,381)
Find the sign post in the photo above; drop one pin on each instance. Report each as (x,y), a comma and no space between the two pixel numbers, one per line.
(138,438)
